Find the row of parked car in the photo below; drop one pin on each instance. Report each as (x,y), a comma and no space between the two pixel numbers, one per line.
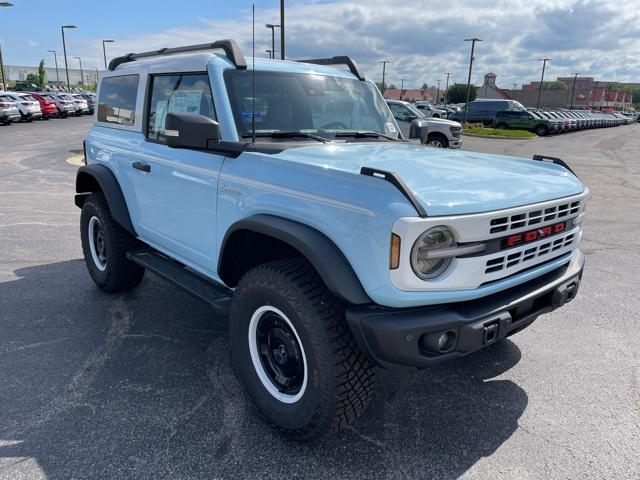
(550,122)
(29,106)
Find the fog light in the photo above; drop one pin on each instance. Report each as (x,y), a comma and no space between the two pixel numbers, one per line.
(439,342)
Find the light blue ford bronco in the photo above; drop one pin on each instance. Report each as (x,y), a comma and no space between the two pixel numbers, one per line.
(285,192)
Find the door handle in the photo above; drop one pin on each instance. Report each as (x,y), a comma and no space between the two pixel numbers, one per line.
(145,167)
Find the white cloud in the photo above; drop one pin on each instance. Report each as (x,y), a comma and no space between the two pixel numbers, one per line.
(32,44)
(424,39)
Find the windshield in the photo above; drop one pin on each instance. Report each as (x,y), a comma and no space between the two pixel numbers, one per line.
(316,104)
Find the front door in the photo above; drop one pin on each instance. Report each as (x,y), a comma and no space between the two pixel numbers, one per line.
(176,189)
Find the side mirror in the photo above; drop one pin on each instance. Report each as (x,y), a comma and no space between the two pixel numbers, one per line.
(191,130)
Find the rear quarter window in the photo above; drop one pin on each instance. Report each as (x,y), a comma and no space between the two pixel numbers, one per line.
(117,99)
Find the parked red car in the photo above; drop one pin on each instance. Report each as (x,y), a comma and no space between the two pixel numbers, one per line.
(47,105)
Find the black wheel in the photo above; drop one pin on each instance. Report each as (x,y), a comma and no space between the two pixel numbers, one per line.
(502,126)
(294,351)
(105,245)
(437,141)
(541,130)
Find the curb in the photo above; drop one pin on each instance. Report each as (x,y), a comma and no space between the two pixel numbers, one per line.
(499,137)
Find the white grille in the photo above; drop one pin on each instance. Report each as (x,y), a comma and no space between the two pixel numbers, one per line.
(510,260)
(535,216)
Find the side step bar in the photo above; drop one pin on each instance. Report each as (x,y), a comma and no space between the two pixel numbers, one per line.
(216,295)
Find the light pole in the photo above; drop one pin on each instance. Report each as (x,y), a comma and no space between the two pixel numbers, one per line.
(544,64)
(64,47)
(4,85)
(273,27)
(81,72)
(384,71)
(573,89)
(281,29)
(438,91)
(593,96)
(401,87)
(55,59)
(473,47)
(515,85)
(446,90)
(104,50)
(270,52)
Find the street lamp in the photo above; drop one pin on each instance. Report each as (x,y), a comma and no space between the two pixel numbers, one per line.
(55,58)
(273,27)
(104,50)
(473,47)
(401,87)
(81,73)
(270,52)
(64,47)
(4,85)
(438,92)
(544,64)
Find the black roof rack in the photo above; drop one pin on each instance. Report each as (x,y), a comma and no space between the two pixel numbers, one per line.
(230,47)
(340,60)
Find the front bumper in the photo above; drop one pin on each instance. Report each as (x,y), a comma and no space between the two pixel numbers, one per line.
(394,338)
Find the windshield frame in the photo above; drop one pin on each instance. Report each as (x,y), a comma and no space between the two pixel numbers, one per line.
(240,129)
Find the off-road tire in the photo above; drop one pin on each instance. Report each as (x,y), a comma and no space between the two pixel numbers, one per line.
(340,380)
(119,273)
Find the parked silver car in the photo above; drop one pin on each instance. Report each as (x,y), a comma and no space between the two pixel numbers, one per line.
(429,110)
(439,132)
(28,106)
(8,109)
(65,106)
(82,106)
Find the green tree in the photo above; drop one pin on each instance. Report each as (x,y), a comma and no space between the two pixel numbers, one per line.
(42,74)
(457,93)
(392,86)
(424,87)
(555,85)
(32,78)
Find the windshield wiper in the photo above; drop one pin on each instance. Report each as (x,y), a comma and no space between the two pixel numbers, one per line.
(365,134)
(286,134)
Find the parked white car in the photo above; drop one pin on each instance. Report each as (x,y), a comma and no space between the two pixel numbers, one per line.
(440,133)
(8,109)
(28,106)
(429,110)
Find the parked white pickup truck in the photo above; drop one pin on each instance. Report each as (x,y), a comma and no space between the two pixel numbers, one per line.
(440,133)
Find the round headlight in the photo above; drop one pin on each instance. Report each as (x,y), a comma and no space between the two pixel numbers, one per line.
(433,239)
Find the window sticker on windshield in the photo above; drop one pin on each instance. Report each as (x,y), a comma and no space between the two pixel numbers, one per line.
(186,101)
(391,128)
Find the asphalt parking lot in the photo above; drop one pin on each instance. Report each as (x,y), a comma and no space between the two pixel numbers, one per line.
(140,385)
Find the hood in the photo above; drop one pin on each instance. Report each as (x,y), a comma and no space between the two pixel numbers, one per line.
(441,121)
(449,182)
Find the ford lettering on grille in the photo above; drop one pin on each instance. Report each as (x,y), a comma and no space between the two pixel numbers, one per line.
(533,235)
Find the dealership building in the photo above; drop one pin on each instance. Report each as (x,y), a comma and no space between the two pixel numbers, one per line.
(18,73)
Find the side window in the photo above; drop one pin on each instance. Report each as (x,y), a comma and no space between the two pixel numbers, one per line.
(189,93)
(400,112)
(117,100)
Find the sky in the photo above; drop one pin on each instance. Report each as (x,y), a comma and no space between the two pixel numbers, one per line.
(421,39)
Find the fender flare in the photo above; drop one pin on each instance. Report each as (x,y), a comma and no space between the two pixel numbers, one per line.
(92,178)
(327,259)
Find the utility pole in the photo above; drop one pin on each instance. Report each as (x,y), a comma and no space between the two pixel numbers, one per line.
(4,84)
(544,64)
(281,29)
(515,85)
(446,90)
(55,59)
(438,91)
(473,47)
(64,47)
(104,50)
(593,96)
(273,27)
(573,90)
(401,87)
(81,72)
(384,71)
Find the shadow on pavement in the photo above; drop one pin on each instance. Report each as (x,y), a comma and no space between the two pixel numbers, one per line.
(140,385)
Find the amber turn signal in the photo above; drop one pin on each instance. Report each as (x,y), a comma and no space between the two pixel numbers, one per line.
(394,256)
